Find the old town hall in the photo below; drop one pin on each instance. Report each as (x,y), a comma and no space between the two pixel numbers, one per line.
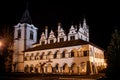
(55,52)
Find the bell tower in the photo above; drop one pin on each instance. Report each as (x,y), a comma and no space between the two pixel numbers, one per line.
(25,34)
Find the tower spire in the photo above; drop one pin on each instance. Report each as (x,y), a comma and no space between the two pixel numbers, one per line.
(26,16)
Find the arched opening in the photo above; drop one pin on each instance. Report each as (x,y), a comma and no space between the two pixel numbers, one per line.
(57,68)
(49,55)
(32,56)
(32,68)
(27,69)
(57,55)
(37,56)
(74,53)
(63,54)
(27,57)
(49,68)
(83,67)
(65,68)
(42,55)
(37,68)
(74,68)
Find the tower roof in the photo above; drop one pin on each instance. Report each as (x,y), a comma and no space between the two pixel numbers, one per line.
(26,17)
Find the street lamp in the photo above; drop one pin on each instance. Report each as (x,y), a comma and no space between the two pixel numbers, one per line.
(0,43)
(1,47)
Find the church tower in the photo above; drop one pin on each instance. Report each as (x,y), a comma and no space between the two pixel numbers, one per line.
(25,34)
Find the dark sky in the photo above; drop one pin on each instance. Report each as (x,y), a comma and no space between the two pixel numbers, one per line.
(102,17)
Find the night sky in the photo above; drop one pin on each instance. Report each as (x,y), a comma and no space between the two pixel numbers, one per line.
(102,17)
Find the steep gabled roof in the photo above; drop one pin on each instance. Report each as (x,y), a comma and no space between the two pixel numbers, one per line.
(26,17)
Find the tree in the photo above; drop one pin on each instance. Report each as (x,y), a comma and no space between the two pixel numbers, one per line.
(113,56)
(6,50)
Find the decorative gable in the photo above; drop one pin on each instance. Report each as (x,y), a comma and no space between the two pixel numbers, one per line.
(72,35)
(43,39)
(52,38)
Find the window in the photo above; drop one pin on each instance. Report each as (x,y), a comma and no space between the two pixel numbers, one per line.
(51,41)
(19,33)
(72,53)
(61,39)
(63,54)
(43,42)
(72,37)
(85,53)
(31,35)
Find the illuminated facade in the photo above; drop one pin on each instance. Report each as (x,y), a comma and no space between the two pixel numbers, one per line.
(70,53)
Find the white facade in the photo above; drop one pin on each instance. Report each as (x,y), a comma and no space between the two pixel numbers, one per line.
(24,36)
(62,53)
(73,60)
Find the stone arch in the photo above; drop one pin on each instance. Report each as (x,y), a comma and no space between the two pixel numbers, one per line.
(31,68)
(49,68)
(27,69)
(37,68)
(83,67)
(65,68)
(64,53)
(74,53)
(57,68)
(27,57)
(42,66)
(42,56)
(50,55)
(37,57)
(32,57)
(57,54)
(74,68)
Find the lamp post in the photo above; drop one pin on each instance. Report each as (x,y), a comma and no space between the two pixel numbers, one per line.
(1,47)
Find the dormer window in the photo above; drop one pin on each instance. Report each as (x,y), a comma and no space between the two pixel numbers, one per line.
(72,37)
(43,42)
(51,41)
(31,35)
(19,33)
(61,39)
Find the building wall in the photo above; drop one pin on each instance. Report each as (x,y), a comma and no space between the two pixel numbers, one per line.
(22,42)
(80,63)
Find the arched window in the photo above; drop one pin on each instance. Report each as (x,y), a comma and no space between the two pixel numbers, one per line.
(37,68)
(83,67)
(74,68)
(32,68)
(27,69)
(85,53)
(63,54)
(55,55)
(65,68)
(19,33)
(32,57)
(42,55)
(49,68)
(72,53)
(49,55)
(31,35)
(37,56)
(57,67)
(27,57)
